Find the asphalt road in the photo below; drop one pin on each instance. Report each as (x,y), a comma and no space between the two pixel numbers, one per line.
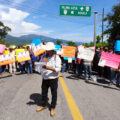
(20,95)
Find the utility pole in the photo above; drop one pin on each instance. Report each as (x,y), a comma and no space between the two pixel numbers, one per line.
(102,24)
(95,27)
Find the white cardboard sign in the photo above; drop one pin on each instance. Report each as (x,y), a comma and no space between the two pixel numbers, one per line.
(86,54)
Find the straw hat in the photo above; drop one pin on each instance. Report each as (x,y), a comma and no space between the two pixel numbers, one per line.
(50,46)
(12,47)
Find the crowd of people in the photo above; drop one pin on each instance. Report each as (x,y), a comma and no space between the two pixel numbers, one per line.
(90,70)
(23,67)
(78,66)
(50,64)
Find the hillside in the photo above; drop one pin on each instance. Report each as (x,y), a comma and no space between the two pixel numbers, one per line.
(27,39)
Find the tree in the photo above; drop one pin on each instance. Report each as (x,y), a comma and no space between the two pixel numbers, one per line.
(70,43)
(98,39)
(3,30)
(113,27)
(59,42)
(104,44)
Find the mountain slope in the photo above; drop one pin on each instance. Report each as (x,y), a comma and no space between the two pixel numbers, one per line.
(27,39)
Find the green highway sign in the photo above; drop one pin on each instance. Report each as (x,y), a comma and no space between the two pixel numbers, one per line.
(75,10)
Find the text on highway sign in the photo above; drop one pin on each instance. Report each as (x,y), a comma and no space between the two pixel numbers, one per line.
(75,10)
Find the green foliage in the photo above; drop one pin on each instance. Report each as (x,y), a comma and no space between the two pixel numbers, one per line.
(103,44)
(98,39)
(59,42)
(113,27)
(88,44)
(3,30)
(5,43)
(70,43)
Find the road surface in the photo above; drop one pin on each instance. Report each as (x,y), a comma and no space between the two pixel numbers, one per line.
(20,95)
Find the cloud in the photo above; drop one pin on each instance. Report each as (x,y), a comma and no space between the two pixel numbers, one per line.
(15,19)
(17,2)
(13,15)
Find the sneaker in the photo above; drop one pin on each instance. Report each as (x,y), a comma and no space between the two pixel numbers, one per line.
(52,112)
(41,108)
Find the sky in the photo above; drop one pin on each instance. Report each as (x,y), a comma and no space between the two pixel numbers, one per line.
(42,17)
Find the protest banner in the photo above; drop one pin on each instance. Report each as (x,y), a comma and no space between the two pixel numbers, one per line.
(86,54)
(18,51)
(109,60)
(69,60)
(2,48)
(66,58)
(80,48)
(68,51)
(36,42)
(37,50)
(23,56)
(57,47)
(7,59)
(59,52)
(6,52)
(41,51)
(117,45)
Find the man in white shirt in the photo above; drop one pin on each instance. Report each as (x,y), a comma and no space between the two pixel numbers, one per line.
(50,74)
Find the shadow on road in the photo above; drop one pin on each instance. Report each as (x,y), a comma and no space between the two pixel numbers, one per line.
(1,77)
(104,86)
(74,77)
(20,73)
(36,99)
(103,81)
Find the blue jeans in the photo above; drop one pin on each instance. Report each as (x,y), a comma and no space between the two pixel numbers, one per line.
(29,68)
(115,74)
(64,66)
(22,68)
(69,66)
(88,71)
(0,69)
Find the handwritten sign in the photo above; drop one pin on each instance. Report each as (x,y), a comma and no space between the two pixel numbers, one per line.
(57,47)
(59,52)
(37,50)
(6,52)
(2,48)
(7,59)
(19,50)
(69,60)
(68,51)
(86,54)
(109,60)
(23,56)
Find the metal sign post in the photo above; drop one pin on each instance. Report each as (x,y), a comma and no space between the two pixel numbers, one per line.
(95,27)
(80,11)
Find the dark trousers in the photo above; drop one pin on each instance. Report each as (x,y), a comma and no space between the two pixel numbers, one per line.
(101,71)
(53,84)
